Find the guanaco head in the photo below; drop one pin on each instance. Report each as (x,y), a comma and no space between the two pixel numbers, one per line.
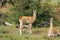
(34,10)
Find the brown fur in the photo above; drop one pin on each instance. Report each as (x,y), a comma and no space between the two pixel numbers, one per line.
(24,18)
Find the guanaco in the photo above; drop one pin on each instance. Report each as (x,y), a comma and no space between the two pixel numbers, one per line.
(27,19)
(52,31)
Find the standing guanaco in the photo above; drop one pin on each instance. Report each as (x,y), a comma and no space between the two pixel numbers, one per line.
(27,19)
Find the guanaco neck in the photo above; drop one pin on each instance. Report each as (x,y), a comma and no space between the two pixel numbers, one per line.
(51,24)
(34,16)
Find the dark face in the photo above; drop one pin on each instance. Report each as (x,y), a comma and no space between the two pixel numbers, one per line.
(51,18)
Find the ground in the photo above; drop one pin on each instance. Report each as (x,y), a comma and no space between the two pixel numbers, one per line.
(12,33)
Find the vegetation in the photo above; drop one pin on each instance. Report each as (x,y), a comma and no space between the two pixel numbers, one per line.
(12,33)
(45,10)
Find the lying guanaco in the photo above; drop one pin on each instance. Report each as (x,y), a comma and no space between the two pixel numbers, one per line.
(52,31)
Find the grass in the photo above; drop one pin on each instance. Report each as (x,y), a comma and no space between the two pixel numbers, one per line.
(12,33)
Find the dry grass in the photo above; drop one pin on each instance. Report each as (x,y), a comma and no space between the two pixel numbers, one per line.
(12,33)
